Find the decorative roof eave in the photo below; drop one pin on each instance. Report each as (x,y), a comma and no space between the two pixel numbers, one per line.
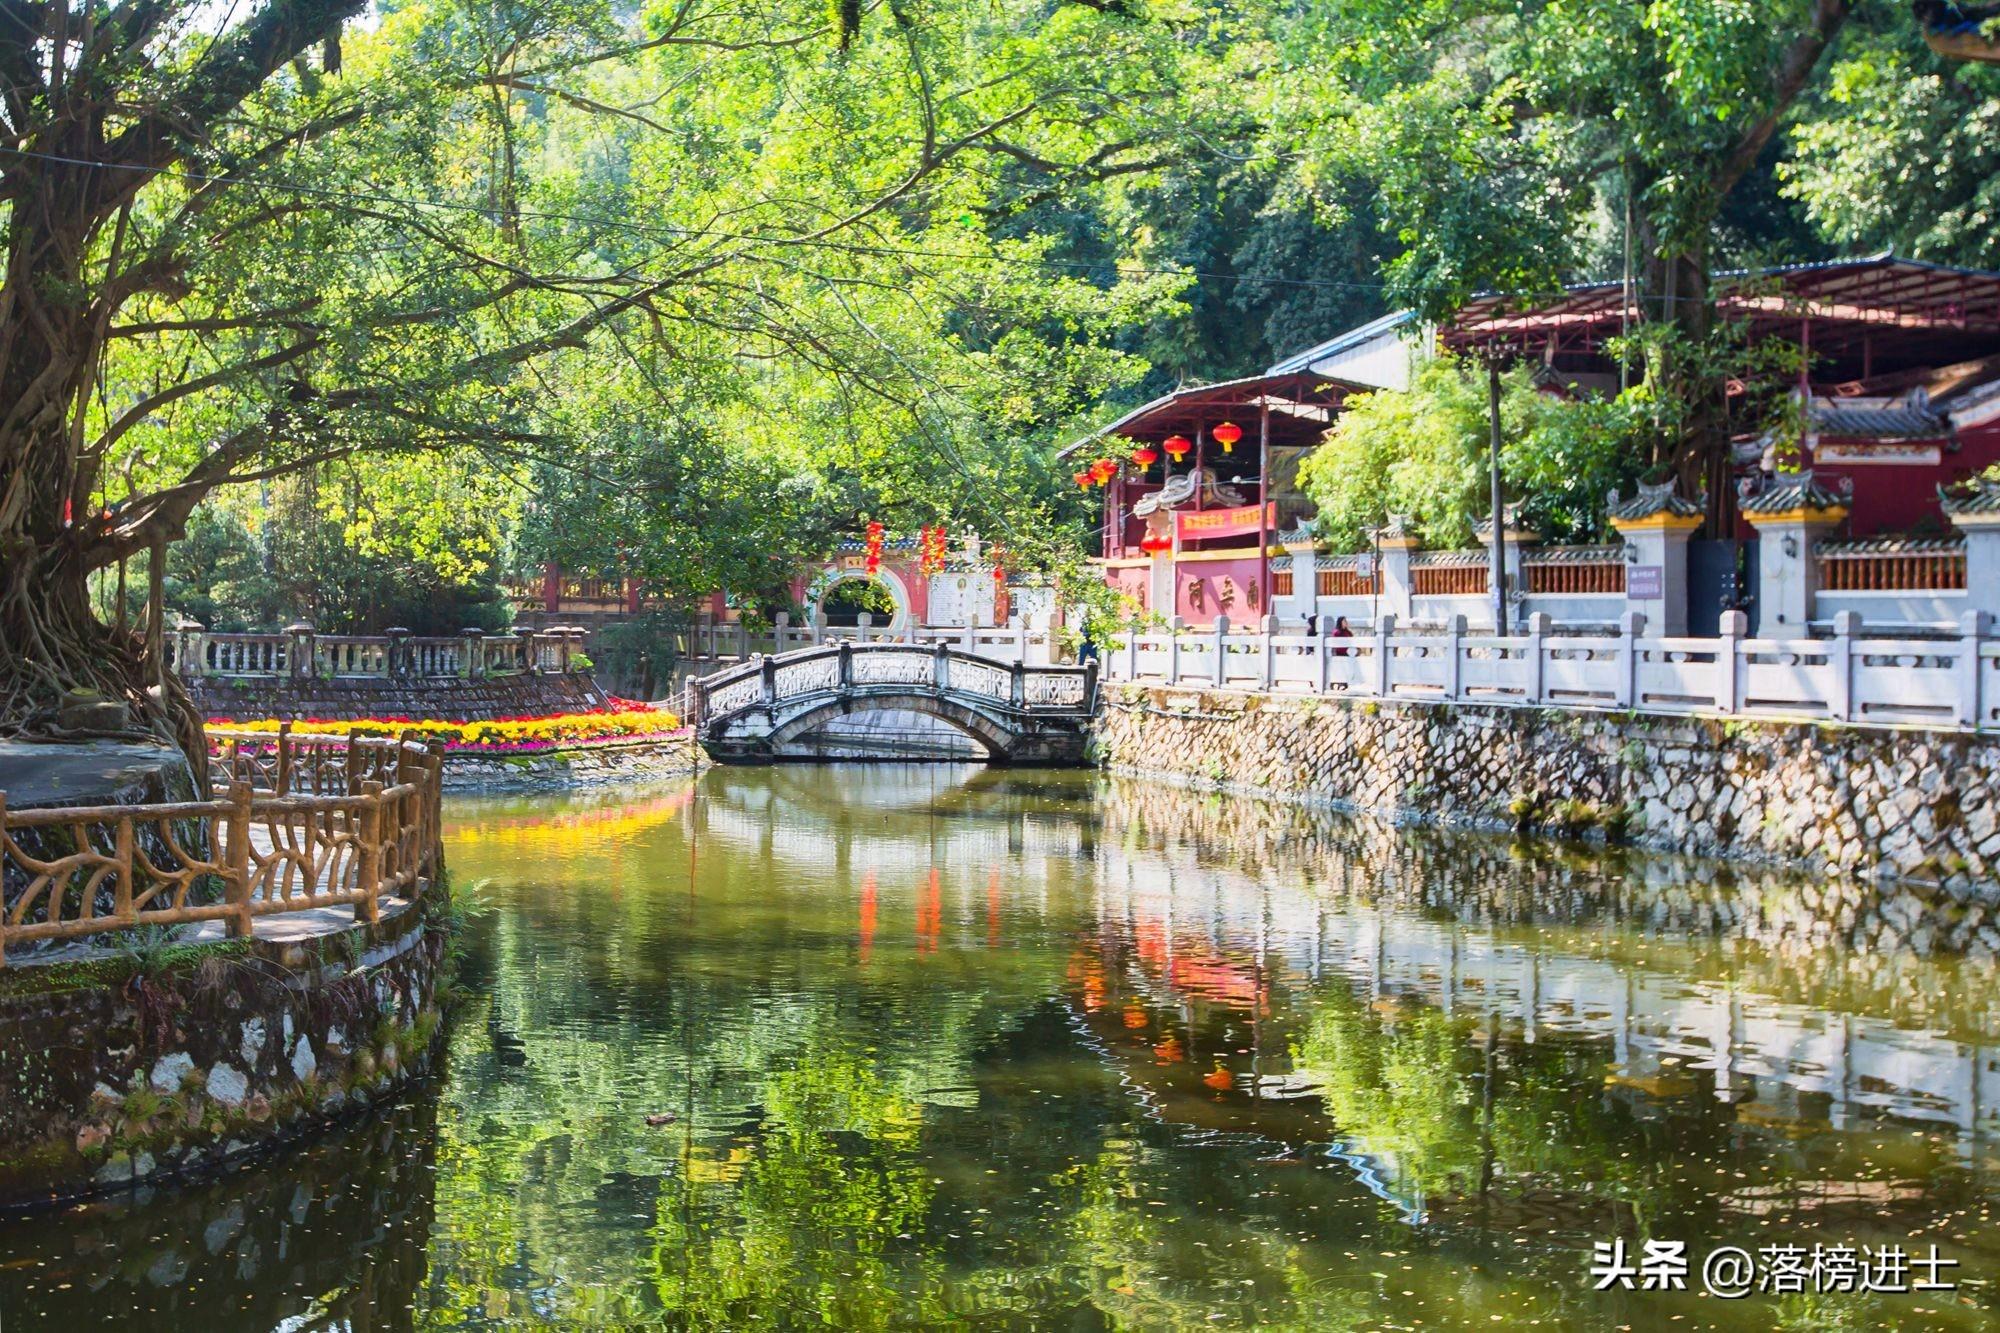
(1651,502)
(1795,493)
(1510,514)
(1978,501)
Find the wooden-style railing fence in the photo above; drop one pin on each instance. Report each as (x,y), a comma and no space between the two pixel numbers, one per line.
(296,824)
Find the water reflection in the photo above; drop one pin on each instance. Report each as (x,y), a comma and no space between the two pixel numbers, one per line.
(923,1047)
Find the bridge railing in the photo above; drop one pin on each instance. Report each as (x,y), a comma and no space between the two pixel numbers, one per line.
(295,824)
(1949,682)
(1030,641)
(770,680)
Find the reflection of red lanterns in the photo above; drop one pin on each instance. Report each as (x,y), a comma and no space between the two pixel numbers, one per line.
(1227,434)
(1177,446)
(1145,456)
(1219,1079)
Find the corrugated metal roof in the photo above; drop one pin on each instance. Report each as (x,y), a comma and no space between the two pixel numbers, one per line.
(1343,342)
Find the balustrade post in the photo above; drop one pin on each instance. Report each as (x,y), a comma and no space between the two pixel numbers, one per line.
(1385,626)
(1840,665)
(697,697)
(299,646)
(236,861)
(1323,650)
(844,651)
(400,663)
(1728,660)
(1973,629)
(1132,652)
(767,675)
(1174,626)
(1267,628)
(1454,648)
(862,621)
(969,637)
(1017,685)
(531,651)
(187,648)
(1630,626)
(283,780)
(471,652)
(365,907)
(940,665)
(1090,688)
(781,628)
(1220,672)
(1538,629)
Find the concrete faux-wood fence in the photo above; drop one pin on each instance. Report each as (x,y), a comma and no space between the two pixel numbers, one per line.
(185,983)
(1901,802)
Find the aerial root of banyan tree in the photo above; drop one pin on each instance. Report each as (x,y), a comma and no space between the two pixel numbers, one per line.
(55,653)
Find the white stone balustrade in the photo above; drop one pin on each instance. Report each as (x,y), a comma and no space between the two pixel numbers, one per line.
(1950,682)
(302,651)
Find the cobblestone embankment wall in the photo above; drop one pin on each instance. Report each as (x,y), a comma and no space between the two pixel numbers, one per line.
(351,700)
(1917,804)
(126,1065)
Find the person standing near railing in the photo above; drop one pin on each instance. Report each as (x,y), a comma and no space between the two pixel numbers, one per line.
(1340,630)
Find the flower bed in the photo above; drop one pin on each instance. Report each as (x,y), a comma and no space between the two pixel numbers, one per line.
(626,720)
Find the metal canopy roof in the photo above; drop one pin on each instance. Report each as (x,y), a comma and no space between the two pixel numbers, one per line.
(1302,406)
(1867,316)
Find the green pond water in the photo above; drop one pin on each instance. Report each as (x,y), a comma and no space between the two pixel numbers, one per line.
(937,1047)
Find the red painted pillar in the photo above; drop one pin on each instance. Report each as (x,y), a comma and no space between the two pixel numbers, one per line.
(551,587)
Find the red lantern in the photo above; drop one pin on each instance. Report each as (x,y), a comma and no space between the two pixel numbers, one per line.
(874,546)
(1227,434)
(999,577)
(1103,470)
(1145,456)
(1177,446)
(1082,479)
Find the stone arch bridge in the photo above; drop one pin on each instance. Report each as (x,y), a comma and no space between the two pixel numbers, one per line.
(764,709)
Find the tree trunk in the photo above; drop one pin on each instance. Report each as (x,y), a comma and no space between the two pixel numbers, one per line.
(52,534)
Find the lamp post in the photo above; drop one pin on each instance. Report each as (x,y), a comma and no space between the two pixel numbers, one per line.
(1495,569)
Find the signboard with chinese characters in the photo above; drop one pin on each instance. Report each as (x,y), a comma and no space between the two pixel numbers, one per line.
(1197,524)
(1645,583)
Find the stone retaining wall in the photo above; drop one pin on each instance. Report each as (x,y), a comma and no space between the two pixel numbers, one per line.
(350,700)
(156,1061)
(1907,803)
(604,763)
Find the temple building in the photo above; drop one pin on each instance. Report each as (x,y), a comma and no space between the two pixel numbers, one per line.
(1898,398)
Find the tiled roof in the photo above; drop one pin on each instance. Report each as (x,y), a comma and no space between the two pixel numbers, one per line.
(1889,546)
(1575,555)
(1897,421)
(1979,497)
(1789,491)
(1651,500)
